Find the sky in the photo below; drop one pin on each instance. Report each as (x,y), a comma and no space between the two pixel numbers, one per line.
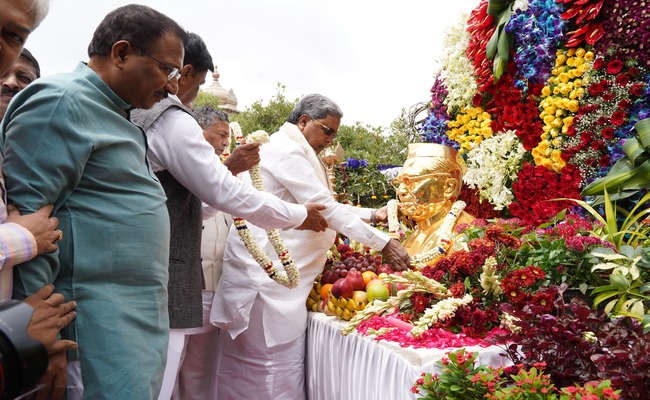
(373,58)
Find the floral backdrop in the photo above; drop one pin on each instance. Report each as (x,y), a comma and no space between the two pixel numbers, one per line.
(545,112)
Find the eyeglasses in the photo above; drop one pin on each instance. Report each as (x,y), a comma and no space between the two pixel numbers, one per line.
(326,129)
(409,180)
(174,74)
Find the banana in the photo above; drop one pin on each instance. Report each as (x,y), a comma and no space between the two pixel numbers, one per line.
(314,307)
(343,302)
(312,293)
(311,302)
(351,305)
(339,312)
(361,305)
(331,306)
(346,315)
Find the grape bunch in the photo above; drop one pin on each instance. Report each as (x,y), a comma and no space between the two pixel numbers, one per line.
(346,259)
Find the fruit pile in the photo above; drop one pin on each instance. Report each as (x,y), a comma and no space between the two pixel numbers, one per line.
(349,281)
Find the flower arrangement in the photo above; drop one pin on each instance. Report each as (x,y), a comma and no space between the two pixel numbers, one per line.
(456,70)
(493,165)
(470,127)
(462,379)
(592,141)
(560,101)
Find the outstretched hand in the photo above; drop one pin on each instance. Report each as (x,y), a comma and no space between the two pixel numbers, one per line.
(314,221)
(396,255)
(381,214)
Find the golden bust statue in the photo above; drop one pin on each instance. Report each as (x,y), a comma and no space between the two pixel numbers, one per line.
(428,188)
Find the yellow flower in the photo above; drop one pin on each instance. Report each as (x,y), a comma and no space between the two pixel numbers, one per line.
(573,105)
(580,52)
(571,52)
(589,56)
(563,77)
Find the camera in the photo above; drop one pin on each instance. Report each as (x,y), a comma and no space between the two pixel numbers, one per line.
(23,360)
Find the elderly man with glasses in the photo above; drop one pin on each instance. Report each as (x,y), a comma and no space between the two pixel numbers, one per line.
(262,343)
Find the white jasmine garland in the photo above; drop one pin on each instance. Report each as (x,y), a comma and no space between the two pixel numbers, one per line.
(440,311)
(290,276)
(444,238)
(456,69)
(393,221)
(493,165)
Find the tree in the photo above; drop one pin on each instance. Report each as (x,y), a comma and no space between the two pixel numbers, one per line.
(206,99)
(269,117)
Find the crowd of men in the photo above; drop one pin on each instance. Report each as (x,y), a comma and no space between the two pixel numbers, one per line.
(112,181)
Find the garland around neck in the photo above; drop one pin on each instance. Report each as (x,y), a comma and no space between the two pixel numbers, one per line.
(289,277)
(443,232)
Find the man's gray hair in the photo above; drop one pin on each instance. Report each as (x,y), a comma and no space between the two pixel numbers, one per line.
(41,8)
(207,116)
(316,106)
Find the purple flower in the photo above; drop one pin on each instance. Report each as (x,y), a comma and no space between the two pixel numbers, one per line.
(354,163)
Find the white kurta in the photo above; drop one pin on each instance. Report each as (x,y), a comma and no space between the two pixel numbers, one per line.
(292,171)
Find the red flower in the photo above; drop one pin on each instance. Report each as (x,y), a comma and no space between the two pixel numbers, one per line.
(624,104)
(599,63)
(609,96)
(457,290)
(597,89)
(618,118)
(607,133)
(637,89)
(602,120)
(623,79)
(614,67)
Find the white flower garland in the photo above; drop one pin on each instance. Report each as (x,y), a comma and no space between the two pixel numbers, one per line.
(439,312)
(444,237)
(393,221)
(290,276)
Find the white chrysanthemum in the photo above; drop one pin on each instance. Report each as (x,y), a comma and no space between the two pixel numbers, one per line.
(456,69)
(493,165)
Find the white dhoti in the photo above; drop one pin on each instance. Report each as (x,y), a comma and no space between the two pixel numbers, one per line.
(249,369)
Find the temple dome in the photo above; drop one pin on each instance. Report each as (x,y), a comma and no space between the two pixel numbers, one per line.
(227,98)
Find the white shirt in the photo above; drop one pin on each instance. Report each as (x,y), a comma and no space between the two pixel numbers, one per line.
(176,144)
(292,171)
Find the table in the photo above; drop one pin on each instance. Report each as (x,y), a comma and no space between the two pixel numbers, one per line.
(356,367)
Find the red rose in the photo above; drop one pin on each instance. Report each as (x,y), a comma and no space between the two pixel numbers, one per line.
(597,89)
(637,89)
(607,133)
(624,104)
(599,63)
(623,79)
(602,120)
(614,67)
(618,118)
(604,161)
(609,96)
(571,131)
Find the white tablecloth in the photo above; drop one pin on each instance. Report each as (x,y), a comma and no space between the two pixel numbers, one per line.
(356,367)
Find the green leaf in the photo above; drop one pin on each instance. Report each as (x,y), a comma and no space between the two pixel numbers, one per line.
(604,296)
(619,281)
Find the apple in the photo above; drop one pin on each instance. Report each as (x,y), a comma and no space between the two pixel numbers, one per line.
(376,289)
(342,288)
(357,280)
(385,268)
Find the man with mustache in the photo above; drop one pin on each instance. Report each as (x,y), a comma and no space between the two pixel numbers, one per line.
(23,72)
(68,141)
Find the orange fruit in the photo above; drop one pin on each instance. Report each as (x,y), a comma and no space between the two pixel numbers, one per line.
(368,276)
(325,290)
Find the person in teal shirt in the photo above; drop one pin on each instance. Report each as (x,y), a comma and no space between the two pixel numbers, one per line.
(67,140)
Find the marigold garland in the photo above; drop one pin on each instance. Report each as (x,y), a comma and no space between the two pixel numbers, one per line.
(290,276)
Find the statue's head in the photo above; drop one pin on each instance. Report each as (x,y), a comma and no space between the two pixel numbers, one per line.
(430,180)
